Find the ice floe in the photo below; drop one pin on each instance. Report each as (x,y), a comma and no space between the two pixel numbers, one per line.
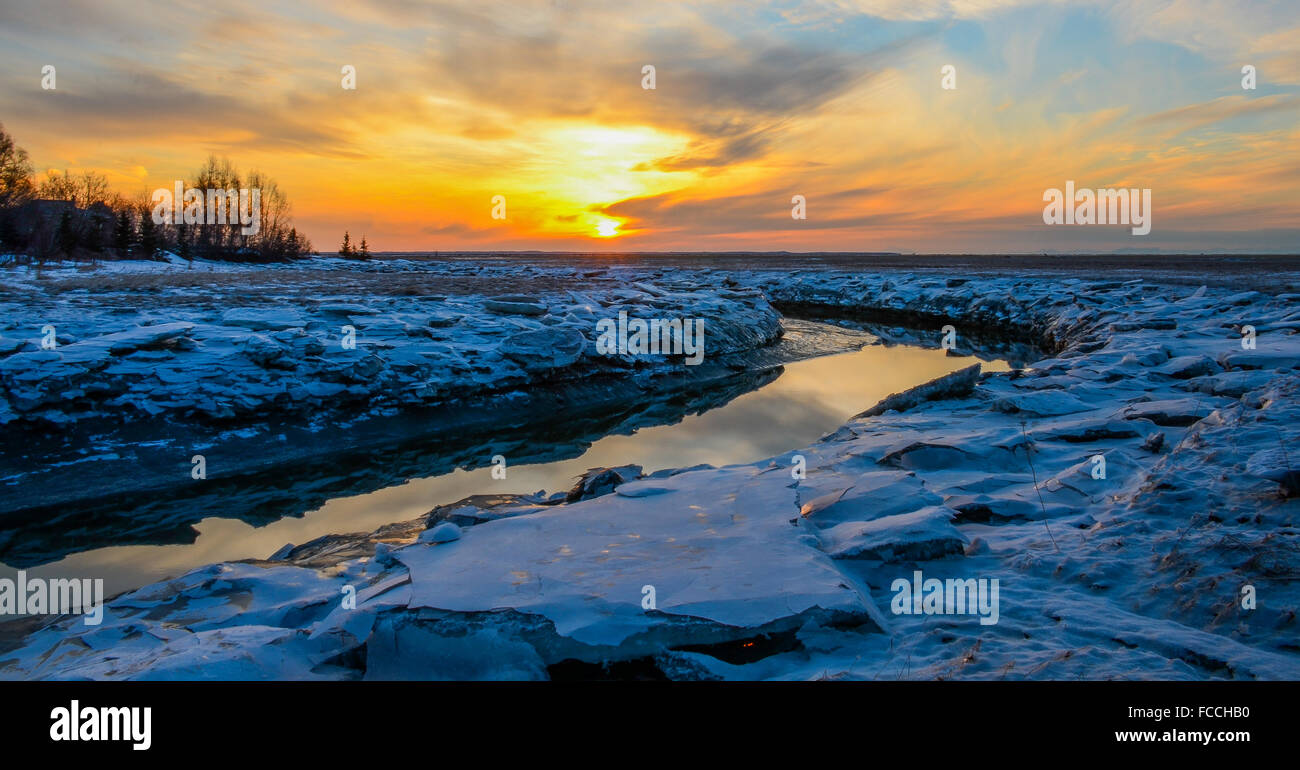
(1126,489)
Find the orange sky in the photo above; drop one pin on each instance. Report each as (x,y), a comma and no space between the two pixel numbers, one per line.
(542,102)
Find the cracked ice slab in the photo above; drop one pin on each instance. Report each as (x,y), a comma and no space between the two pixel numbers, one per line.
(716,545)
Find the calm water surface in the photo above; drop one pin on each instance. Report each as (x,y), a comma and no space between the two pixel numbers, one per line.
(808,400)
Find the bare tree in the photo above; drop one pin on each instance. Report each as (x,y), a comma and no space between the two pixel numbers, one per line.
(83,192)
(15,172)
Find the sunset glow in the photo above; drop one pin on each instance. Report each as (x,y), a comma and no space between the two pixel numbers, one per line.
(607,228)
(839,101)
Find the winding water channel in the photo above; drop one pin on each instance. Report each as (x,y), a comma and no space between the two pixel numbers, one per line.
(805,401)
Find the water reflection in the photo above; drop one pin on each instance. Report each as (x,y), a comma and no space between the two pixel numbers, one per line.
(809,399)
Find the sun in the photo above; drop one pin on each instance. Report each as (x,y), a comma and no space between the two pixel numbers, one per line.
(607,228)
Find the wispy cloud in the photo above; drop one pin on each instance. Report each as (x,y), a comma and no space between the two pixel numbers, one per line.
(541,102)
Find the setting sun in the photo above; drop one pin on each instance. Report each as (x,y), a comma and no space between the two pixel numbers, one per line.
(607,228)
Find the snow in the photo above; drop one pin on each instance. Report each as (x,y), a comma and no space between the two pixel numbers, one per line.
(915,536)
(1135,573)
(445,532)
(228,359)
(690,551)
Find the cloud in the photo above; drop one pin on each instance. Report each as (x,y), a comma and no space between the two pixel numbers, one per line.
(150,106)
(1222,109)
(541,100)
(916,10)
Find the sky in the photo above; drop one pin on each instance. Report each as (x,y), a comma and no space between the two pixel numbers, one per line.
(543,102)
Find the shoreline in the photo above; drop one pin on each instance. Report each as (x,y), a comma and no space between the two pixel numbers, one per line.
(994,483)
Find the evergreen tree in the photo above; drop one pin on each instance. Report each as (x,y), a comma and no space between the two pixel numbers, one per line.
(8,231)
(66,235)
(184,246)
(95,237)
(123,233)
(148,237)
(346,250)
(364,251)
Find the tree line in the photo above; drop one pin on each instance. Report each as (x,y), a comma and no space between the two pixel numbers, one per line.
(80,217)
(354,252)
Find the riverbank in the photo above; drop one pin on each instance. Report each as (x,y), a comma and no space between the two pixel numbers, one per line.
(1138,571)
(270,369)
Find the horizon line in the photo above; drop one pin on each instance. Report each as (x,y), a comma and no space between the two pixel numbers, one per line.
(744,252)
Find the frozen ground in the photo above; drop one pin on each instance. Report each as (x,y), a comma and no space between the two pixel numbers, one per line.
(103,455)
(158,362)
(221,342)
(758,574)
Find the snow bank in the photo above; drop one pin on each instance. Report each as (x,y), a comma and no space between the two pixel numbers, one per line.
(1126,492)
